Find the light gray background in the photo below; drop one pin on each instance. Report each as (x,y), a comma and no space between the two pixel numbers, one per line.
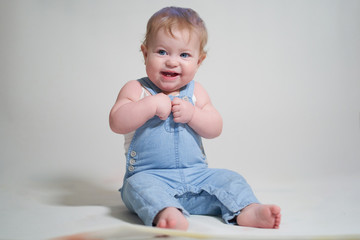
(285,75)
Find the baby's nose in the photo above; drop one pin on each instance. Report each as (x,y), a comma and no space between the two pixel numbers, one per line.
(172,62)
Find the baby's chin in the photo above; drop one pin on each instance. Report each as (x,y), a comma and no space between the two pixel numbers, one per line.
(170,88)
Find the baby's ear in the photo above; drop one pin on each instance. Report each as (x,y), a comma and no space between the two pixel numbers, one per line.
(144,51)
(201,59)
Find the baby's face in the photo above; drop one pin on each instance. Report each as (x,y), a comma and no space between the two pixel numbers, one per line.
(171,62)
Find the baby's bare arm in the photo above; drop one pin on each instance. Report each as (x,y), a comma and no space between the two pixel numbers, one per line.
(129,113)
(206,120)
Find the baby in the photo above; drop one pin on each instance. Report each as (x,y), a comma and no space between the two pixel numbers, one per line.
(163,117)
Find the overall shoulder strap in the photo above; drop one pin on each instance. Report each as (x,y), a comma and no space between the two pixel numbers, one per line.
(187,91)
(148,85)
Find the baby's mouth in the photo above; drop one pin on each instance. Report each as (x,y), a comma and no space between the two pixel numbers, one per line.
(170,74)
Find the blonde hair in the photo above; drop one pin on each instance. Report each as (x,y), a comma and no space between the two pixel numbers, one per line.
(183,18)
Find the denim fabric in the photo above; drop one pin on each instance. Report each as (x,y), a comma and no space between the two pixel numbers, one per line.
(167,167)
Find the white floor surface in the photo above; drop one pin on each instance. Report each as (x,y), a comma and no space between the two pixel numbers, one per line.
(318,208)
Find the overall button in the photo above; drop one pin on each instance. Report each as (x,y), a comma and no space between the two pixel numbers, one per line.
(132,161)
(185,98)
(131,168)
(133,153)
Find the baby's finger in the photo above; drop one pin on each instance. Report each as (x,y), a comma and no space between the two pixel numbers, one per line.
(176,101)
(175,108)
(176,114)
(177,119)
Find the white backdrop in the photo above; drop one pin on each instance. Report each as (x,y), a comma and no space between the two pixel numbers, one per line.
(285,75)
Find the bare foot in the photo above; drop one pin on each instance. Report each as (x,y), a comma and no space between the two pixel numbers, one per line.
(171,218)
(259,215)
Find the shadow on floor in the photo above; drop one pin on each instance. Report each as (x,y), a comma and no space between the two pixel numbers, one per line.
(72,191)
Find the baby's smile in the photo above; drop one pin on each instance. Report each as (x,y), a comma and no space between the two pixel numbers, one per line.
(169,74)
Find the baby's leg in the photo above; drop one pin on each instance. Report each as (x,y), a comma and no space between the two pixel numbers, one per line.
(260,215)
(171,218)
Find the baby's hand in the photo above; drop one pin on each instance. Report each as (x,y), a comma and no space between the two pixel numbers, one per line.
(163,106)
(183,111)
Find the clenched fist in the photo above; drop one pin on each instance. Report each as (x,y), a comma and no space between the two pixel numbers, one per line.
(163,106)
(182,110)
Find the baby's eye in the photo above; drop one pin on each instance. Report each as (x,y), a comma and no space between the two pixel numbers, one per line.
(184,55)
(162,52)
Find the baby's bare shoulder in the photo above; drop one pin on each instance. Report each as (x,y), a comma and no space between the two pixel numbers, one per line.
(202,97)
(131,90)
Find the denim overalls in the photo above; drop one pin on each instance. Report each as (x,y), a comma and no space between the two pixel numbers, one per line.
(167,167)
